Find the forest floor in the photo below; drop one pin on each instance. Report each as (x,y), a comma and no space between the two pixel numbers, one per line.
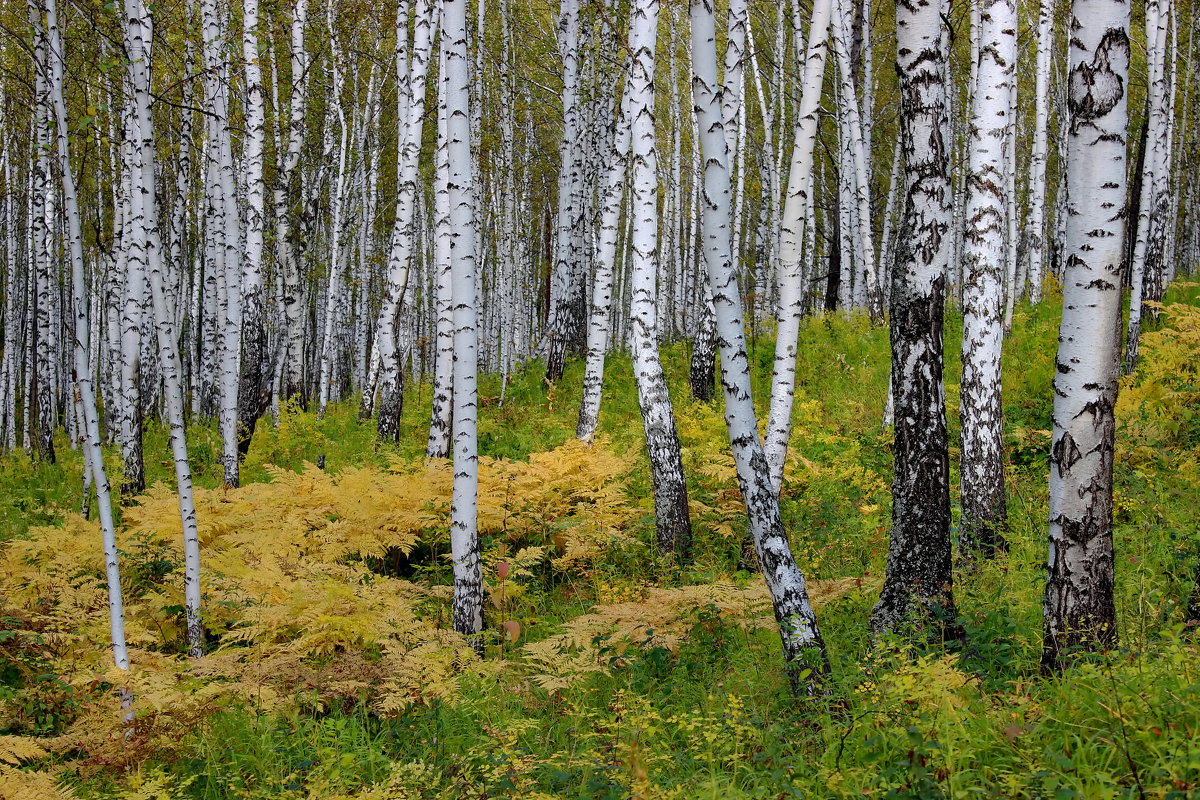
(609,672)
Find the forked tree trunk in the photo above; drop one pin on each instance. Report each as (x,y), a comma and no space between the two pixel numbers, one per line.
(803,649)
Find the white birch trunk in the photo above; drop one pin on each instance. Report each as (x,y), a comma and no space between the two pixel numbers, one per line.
(442,410)
(1079,604)
(464,536)
(984,253)
(795,214)
(804,651)
(604,264)
(662,440)
(1037,160)
(82,366)
(412,70)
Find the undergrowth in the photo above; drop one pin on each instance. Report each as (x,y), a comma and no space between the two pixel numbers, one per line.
(608,671)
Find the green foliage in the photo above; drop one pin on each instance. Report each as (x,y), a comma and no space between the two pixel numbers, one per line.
(609,672)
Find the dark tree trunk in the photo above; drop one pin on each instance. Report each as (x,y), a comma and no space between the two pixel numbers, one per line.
(917,586)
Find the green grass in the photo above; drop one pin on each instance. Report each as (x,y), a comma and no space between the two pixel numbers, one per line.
(714,719)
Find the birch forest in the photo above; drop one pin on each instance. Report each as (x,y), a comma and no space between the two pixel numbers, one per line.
(599,399)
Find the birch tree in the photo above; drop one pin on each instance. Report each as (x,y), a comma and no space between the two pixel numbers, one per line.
(441,407)
(803,648)
(604,263)
(981,464)
(1079,605)
(55,67)
(464,535)
(1037,160)
(253,384)
(290,366)
(411,71)
(672,522)
(795,214)
(565,322)
(145,261)
(917,582)
(226,225)
(41,222)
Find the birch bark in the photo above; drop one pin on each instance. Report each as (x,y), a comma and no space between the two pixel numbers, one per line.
(1079,605)
(672,523)
(795,214)
(82,367)
(917,583)
(464,536)
(981,466)
(804,650)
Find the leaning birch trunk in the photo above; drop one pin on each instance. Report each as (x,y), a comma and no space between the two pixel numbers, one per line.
(917,584)
(803,649)
(1037,159)
(254,388)
(1080,614)
(84,392)
(672,523)
(1156,40)
(145,256)
(464,535)
(795,213)
(604,263)
(981,465)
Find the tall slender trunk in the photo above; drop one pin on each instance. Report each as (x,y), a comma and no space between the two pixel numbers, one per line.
(917,583)
(795,214)
(253,385)
(225,220)
(565,322)
(1143,265)
(604,264)
(337,248)
(442,409)
(1079,606)
(82,366)
(464,535)
(144,258)
(41,227)
(412,71)
(662,440)
(1037,159)
(981,465)
(291,359)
